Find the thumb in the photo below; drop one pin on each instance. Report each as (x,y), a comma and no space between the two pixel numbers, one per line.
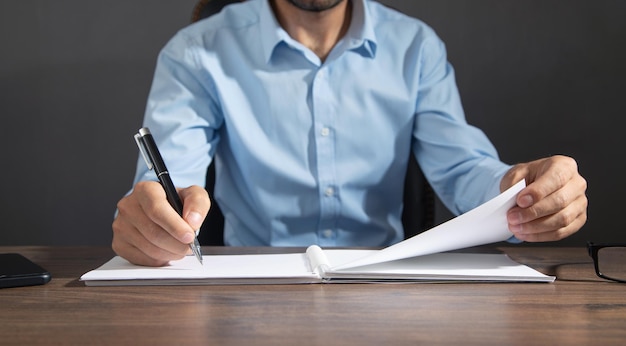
(194,219)
(196,204)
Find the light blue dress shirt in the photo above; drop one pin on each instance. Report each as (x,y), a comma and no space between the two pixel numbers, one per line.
(310,151)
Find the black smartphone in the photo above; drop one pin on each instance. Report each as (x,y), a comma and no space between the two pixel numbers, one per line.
(17,270)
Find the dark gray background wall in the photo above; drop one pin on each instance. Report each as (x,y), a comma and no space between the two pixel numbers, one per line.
(540,77)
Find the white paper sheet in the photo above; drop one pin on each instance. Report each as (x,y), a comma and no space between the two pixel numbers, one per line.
(296,268)
(215,267)
(482,225)
(444,267)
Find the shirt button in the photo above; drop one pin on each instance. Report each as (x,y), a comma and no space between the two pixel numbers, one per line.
(329,191)
(327,233)
(325,132)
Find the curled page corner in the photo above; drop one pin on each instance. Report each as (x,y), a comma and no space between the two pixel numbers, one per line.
(482,225)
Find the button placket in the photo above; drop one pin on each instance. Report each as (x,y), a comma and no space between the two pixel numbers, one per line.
(323,100)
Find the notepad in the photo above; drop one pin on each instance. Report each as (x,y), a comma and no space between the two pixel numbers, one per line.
(425,257)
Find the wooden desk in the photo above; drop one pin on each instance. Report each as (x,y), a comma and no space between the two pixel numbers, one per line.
(578,308)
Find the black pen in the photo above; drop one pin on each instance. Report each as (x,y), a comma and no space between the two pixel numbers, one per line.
(152,156)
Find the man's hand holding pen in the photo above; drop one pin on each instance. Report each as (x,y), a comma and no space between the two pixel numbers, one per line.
(148,231)
(154,226)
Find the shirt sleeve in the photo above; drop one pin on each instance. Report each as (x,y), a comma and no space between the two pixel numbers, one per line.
(182,114)
(458,159)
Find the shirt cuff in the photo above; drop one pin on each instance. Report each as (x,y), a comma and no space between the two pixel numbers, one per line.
(514,240)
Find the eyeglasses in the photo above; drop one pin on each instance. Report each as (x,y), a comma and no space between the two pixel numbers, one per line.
(609,260)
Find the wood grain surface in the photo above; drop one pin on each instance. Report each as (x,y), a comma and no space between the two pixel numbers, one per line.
(578,308)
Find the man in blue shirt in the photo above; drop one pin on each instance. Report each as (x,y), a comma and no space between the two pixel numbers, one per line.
(310,109)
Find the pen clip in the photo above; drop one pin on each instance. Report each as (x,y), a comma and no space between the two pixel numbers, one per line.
(142,149)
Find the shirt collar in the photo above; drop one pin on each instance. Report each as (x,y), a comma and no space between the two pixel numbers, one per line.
(361,33)
(360,36)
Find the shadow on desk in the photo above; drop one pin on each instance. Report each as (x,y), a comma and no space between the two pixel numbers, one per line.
(567,264)
(577,272)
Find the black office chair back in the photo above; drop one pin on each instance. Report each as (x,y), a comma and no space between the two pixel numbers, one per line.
(419,199)
(207,8)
